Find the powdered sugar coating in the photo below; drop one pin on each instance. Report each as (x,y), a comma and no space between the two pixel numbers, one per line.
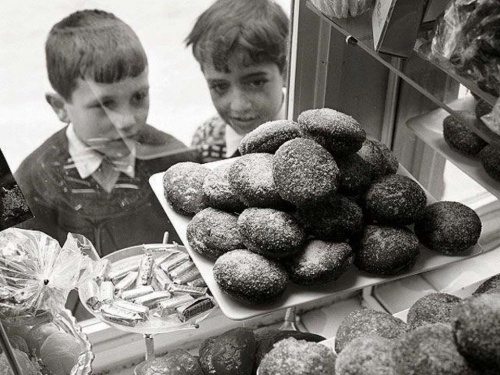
(249,277)
(218,190)
(338,132)
(270,232)
(269,136)
(430,309)
(183,187)
(298,357)
(319,262)
(251,178)
(304,171)
(213,232)
(379,156)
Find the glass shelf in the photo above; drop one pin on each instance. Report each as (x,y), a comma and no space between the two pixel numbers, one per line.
(429,128)
(358,31)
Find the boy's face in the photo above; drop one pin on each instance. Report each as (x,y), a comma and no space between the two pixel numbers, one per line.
(104,114)
(246,96)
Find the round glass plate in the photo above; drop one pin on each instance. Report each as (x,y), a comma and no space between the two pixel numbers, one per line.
(154,324)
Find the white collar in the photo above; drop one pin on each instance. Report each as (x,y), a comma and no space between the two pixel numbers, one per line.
(233,139)
(87,161)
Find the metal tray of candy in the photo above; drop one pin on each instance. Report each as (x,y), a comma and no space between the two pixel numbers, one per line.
(160,312)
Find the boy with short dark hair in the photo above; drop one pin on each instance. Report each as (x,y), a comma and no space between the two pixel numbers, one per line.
(242,49)
(92,176)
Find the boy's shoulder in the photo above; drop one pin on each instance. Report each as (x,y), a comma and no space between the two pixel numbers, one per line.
(212,131)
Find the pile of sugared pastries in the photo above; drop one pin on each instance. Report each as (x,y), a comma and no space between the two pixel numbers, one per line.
(306,201)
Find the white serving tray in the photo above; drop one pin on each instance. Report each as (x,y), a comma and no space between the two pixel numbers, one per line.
(352,280)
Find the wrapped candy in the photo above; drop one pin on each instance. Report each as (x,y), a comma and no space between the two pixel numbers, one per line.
(36,273)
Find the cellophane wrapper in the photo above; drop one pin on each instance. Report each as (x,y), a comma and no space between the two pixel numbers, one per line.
(36,273)
(467,36)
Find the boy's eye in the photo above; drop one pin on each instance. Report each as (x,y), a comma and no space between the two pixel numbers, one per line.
(107,104)
(219,88)
(140,96)
(258,82)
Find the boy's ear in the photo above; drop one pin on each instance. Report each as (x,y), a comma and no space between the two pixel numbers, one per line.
(58,104)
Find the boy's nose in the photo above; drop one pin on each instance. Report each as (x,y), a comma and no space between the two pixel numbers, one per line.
(240,101)
(125,120)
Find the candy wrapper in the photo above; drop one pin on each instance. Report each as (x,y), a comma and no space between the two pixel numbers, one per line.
(467,36)
(36,274)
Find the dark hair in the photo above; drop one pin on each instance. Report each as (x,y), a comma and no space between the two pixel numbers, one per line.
(92,44)
(257,30)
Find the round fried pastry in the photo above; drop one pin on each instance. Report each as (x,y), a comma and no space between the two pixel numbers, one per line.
(430,309)
(490,160)
(269,136)
(460,138)
(218,191)
(380,157)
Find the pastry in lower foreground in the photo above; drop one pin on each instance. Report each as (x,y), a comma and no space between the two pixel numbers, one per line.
(476,325)
(269,136)
(218,190)
(379,156)
(367,355)
(490,285)
(270,232)
(319,262)
(449,228)
(249,277)
(304,171)
(175,362)
(251,178)
(334,218)
(430,349)
(183,187)
(395,200)
(213,232)
(233,352)
(367,322)
(385,250)
(338,132)
(430,309)
(298,357)
(266,337)
(460,138)
(490,160)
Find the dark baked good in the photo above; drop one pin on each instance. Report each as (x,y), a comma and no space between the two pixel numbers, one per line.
(379,156)
(490,285)
(367,355)
(355,174)
(384,250)
(430,349)
(175,362)
(460,138)
(395,200)
(269,136)
(249,277)
(337,132)
(449,228)
(213,232)
(266,337)
(218,191)
(205,352)
(298,357)
(304,171)
(367,322)
(482,108)
(319,262)
(251,178)
(430,309)
(270,232)
(334,218)
(490,160)
(476,324)
(233,352)
(183,187)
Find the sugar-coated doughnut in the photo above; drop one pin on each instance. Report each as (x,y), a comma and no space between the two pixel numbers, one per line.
(304,171)
(490,285)
(460,138)
(449,228)
(218,191)
(338,132)
(490,160)
(379,156)
(183,187)
(355,174)
(249,277)
(269,136)
(367,322)
(431,308)
(213,232)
